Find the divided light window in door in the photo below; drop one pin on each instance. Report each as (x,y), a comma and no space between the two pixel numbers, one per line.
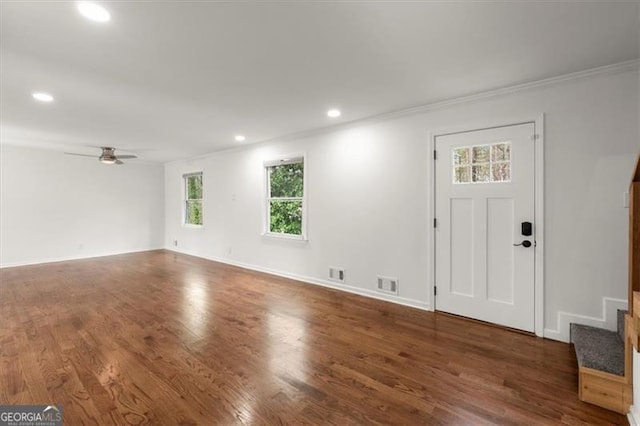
(482,163)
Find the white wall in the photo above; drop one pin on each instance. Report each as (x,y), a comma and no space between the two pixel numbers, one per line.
(56,207)
(368,196)
(634,410)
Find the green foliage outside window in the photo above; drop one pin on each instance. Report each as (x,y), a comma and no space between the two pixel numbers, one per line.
(287,180)
(193,214)
(286,217)
(286,188)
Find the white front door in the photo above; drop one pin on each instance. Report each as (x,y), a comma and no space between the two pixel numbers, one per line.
(484,199)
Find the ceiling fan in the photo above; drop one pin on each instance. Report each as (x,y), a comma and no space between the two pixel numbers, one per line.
(108,156)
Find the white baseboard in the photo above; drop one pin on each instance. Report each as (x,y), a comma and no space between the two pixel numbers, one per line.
(633,416)
(608,321)
(315,281)
(68,258)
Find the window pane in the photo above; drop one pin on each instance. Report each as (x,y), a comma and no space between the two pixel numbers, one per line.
(461,155)
(489,163)
(481,173)
(481,154)
(501,151)
(461,174)
(194,187)
(287,180)
(194,213)
(285,217)
(501,172)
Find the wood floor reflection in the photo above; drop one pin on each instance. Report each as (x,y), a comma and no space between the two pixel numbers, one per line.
(164,338)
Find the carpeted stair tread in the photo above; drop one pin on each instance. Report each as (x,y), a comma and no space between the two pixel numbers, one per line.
(598,349)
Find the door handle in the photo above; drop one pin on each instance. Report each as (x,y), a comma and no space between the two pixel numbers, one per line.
(525,243)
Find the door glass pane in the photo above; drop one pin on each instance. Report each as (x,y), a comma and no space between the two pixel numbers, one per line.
(481,154)
(461,174)
(480,173)
(461,155)
(501,151)
(501,172)
(488,163)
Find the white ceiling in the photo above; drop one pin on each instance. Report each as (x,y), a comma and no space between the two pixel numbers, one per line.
(171,80)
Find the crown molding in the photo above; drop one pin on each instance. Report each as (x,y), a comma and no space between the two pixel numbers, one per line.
(617,68)
(547,82)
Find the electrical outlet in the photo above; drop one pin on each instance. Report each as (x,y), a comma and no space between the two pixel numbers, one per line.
(175,243)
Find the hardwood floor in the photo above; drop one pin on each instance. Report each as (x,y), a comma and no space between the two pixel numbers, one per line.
(163,338)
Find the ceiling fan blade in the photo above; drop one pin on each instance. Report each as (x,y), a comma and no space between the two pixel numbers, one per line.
(81,155)
(118,162)
(127,156)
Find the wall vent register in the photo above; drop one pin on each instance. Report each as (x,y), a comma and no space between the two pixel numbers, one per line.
(336,274)
(388,285)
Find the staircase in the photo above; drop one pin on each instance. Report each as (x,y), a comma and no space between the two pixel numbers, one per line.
(601,360)
(605,357)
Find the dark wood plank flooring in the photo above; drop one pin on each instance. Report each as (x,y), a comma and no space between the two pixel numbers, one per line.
(163,338)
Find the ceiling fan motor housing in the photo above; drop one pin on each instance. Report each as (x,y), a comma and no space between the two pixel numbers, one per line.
(108,155)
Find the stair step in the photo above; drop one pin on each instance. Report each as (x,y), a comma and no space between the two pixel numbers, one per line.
(598,349)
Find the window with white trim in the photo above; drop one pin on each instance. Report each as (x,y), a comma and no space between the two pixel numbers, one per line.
(285,209)
(193,199)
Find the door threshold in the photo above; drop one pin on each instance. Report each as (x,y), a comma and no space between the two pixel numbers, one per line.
(490,324)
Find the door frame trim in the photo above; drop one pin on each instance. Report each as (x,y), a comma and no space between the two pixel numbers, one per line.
(538,123)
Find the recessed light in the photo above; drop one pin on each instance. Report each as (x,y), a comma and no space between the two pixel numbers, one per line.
(333,113)
(93,11)
(240,138)
(42,97)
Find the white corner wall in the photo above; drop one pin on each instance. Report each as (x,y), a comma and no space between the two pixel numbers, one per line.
(59,207)
(634,411)
(368,197)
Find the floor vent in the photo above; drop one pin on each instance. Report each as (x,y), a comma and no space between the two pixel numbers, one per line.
(388,285)
(336,274)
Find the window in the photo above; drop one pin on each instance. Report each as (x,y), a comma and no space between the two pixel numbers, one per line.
(482,163)
(193,199)
(285,197)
